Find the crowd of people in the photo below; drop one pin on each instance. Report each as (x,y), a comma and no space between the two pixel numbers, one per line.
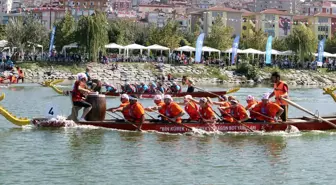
(199,111)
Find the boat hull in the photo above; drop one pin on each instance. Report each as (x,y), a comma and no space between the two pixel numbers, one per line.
(301,124)
(182,94)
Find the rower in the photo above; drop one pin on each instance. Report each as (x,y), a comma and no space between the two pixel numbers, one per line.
(190,84)
(79,91)
(160,88)
(223,103)
(251,103)
(136,111)
(173,111)
(269,111)
(207,113)
(158,100)
(237,112)
(124,102)
(110,87)
(174,88)
(128,88)
(280,91)
(152,87)
(143,88)
(191,108)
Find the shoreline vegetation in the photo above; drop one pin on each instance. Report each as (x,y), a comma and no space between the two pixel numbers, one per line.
(134,72)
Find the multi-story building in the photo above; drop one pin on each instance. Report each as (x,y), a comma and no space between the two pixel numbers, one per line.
(121,5)
(203,4)
(230,17)
(144,9)
(291,6)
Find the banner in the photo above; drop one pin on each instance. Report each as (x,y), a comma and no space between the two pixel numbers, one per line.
(321,50)
(234,49)
(199,45)
(52,38)
(269,50)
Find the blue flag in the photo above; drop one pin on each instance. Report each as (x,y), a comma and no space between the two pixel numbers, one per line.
(199,45)
(269,50)
(52,38)
(321,50)
(234,49)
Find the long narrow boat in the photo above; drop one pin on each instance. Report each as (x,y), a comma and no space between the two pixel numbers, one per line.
(182,94)
(303,124)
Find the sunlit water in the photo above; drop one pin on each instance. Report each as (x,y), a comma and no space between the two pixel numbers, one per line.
(89,155)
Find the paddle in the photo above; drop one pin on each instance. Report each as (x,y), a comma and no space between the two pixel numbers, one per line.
(308,112)
(263,115)
(125,121)
(232,90)
(149,115)
(173,121)
(251,130)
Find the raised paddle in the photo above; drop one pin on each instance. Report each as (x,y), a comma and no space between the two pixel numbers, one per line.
(173,121)
(308,112)
(232,90)
(251,130)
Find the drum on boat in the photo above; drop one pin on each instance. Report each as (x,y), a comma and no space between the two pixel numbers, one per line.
(98,111)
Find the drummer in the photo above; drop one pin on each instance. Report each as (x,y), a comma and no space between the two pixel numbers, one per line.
(80,90)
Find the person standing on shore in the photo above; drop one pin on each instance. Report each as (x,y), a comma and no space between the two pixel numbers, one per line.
(280,91)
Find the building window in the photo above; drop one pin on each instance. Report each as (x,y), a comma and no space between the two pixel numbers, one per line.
(91,3)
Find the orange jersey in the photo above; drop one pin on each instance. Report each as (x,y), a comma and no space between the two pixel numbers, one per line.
(280,89)
(136,111)
(173,110)
(270,109)
(162,109)
(238,112)
(192,109)
(207,113)
(226,113)
(125,112)
(249,105)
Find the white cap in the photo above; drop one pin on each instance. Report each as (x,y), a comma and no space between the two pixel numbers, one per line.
(80,76)
(265,96)
(234,101)
(188,97)
(124,96)
(158,97)
(168,97)
(204,100)
(249,97)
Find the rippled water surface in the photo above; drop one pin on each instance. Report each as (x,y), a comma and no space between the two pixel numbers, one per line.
(88,155)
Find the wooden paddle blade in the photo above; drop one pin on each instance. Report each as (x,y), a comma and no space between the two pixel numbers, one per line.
(233,90)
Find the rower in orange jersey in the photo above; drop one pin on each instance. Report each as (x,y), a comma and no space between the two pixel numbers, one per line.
(270,110)
(172,110)
(136,111)
(191,108)
(124,102)
(251,103)
(158,100)
(237,112)
(224,103)
(207,113)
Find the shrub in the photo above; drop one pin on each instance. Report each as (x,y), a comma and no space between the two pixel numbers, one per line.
(246,69)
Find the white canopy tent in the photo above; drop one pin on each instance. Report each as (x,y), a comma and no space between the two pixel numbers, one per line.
(157,47)
(286,53)
(36,45)
(208,49)
(252,51)
(73,45)
(114,46)
(275,52)
(186,49)
(229,51)
(133,47)
(3,43)
(325,54)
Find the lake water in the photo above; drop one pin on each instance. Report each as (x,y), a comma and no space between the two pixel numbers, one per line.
(88,155)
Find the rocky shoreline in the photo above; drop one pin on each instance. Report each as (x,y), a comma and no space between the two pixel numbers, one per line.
(201,74)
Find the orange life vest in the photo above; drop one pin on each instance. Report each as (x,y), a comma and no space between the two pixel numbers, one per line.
(279,91)
(192,109)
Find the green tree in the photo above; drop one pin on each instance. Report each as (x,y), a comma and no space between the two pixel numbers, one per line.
(2,32)
(92,34)
(330,45)
(302,41)
(20,32)
(258,41)
(65,31)
(220,36)
(280,44)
